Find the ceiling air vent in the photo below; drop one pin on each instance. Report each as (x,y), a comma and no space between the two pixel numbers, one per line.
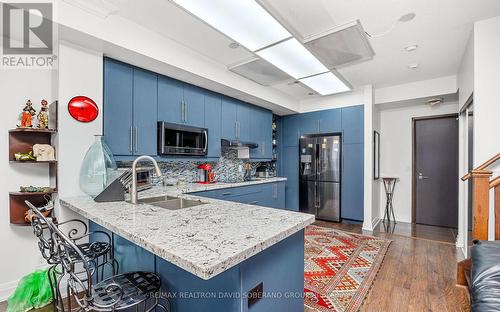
(260,71)
(340,46)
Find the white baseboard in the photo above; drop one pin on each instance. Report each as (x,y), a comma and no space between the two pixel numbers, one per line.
(6,289)
(375,222)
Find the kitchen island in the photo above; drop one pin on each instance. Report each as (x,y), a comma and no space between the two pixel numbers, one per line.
(211,257)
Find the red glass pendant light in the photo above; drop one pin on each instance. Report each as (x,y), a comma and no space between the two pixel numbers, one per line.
(83,108)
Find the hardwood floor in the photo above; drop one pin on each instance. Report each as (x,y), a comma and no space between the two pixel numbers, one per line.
(418,274)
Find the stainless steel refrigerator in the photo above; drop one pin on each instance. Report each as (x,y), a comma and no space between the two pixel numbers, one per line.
(320,163)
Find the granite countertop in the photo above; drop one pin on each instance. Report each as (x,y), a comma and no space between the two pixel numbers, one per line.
(204,240)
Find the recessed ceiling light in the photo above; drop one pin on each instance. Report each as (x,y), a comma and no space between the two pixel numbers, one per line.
(326,83)
(243,21)
(407,17)
(411,48)
(291,57)
(413,66)
(234,45)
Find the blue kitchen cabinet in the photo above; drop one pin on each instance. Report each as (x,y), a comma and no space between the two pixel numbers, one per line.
(145,112)
(265,194)
(213,111)
(243,112)
(291,130)
(309,123)
(261,133)
(180,103)
(194,105)
(170,100)
(353,124)
(352,184)
(229,118)
(291,171)
(118,103)
(330,121)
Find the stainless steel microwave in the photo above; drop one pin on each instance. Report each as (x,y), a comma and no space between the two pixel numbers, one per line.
(181,140)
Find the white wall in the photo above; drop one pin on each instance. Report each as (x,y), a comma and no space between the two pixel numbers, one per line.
(487,95)
(375,183)
(396,147)
(80,73)
(19,251)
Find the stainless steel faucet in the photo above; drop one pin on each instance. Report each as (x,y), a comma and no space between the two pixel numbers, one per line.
(133,185)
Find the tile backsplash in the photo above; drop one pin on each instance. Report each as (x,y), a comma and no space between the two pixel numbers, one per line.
(226,169)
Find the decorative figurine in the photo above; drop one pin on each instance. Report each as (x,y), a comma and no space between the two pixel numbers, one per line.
(43,152)
(26,114)
(24,156)
(43,115)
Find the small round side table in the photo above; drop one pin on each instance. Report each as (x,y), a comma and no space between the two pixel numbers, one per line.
(389,185)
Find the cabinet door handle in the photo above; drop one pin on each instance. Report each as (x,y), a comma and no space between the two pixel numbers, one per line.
(131,142)
(205,133)
(253,202)
(186,117)
(136,138)
(226,193)
(263,150)
(182,111)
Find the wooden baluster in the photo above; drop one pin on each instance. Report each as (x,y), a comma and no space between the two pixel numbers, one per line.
(480,203)
(495,183)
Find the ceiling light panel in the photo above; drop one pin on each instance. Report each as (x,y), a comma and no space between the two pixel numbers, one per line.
(325,84)
(242,20)
(260,71)
(291,57)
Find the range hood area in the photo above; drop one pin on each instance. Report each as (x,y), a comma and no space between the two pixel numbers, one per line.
(237,144)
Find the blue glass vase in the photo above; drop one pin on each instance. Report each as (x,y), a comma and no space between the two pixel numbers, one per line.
(98,168)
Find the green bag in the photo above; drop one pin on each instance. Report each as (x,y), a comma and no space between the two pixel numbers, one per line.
(33,291)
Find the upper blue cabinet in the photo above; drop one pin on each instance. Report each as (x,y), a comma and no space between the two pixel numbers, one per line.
(261,121)
(229,118)
(130,101)
(330,121)
(170,100)
(136,99)
(117,111)
(213,112)
(145,112)
(180,103)
(353,124)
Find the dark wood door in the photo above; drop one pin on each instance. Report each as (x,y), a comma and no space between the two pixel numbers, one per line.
(436,171)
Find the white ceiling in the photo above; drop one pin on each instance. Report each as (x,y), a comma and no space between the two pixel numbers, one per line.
(441,29)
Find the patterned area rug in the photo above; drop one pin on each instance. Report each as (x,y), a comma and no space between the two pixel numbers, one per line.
(339,268)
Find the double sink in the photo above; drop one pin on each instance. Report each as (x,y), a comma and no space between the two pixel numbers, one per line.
(170,202)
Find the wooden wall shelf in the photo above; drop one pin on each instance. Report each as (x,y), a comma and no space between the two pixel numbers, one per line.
(32,162)
(33,130)
(31,193)
(22,140)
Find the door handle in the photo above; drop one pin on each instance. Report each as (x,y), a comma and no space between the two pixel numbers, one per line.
(136,138)
(182,111)
(131,143)
(422,177)
(205,133)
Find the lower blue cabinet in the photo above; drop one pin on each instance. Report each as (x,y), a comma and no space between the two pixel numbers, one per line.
(266,194)
(352,182)
(290,157)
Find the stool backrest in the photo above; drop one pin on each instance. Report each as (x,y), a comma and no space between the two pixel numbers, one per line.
(43,231)
(75,265)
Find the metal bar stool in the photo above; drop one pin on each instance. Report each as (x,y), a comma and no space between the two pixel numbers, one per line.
(115,293)
(389,186)
(100,252)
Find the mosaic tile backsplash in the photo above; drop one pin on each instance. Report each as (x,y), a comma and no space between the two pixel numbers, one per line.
(226,169)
